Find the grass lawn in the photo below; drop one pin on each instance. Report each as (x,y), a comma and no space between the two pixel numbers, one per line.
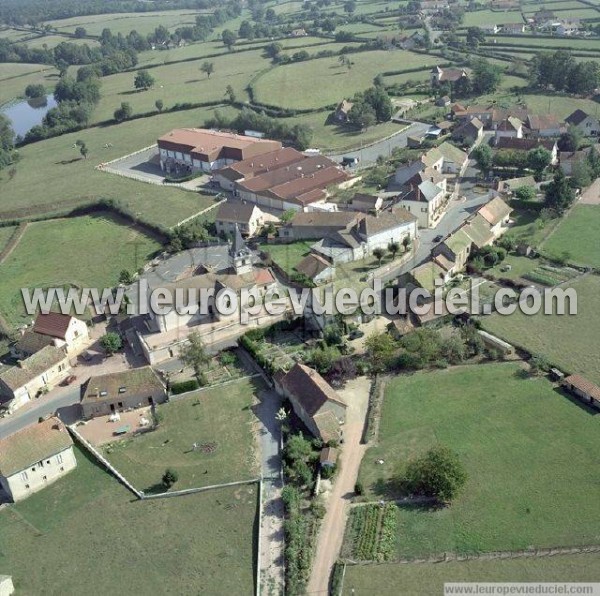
(428,579)
(88,533)
(88,251)
(582,223)
(56,167)
(52,41)
(5,234)
(529,452)
(570,342)
(287,256)
(529,228)
(560,106)
(15,77)
(322,82)
(219,417)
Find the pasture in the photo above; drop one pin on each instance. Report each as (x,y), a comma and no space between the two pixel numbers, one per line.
(15,77)
(67,179)
(569,341)
(489,17)
(221,428)
(88,252)
(181,82)
(582,223)
(428,579)
(142,22)
(506,430)
(87,521)
(323,82)
(50,41)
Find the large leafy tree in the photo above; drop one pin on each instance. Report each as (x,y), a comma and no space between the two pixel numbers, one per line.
(486,77)
(439,473)
(559,193)
(143,80)
(193,353)
(538,160)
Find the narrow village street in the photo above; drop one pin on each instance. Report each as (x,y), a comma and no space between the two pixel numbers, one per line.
(331,533)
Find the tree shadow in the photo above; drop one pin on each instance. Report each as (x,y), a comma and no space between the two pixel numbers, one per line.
(131,92)
(66,162)
(155,489)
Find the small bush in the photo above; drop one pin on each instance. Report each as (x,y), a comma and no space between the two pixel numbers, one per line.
(359,489)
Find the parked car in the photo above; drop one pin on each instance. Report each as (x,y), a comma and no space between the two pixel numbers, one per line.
(438,238)
(70,379)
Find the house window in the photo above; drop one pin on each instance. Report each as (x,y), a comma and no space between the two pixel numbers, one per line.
(33,469)
(27,486)
(76,333)
(59,459)
(24,476)
(62,469)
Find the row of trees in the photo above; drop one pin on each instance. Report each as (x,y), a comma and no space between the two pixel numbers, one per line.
(299,134)
(7,136)
(560,71)
(536,160)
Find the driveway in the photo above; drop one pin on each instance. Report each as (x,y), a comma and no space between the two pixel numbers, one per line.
(331,533)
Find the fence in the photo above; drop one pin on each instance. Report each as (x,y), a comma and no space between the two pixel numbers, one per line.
(89,447)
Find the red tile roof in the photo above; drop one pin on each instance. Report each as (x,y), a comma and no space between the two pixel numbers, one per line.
(54,324)
(584,386)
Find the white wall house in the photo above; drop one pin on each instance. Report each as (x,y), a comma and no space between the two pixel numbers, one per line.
(35,457)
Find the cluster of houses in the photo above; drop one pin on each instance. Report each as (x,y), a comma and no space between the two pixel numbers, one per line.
(543,21)
(449,257)
(425,185)
(44,354)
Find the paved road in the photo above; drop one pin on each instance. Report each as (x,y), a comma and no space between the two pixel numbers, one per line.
(59,399)
(368,155)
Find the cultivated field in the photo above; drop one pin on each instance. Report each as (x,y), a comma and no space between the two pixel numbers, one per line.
(570,342)
(221,428)
(582,224)
(506,430)
(94,538)
(428,579)
(87,251)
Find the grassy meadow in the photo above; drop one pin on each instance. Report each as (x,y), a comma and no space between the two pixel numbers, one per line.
(88,532)
(428,579)
(14,77)
(507,431)
(88,251)
(322,82)
(582,223)
(204,418)
(569,341)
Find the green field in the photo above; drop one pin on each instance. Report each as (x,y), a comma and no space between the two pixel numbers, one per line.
(87,251)
(180,83)
(142,22)
(50,41)
(204,418)
(88,533)
(5,234)
(56,167)
(489,17)
(528,450)
(582,224)
(570,342)
(545,43)
(428,579)
(322,82)
(15,77)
